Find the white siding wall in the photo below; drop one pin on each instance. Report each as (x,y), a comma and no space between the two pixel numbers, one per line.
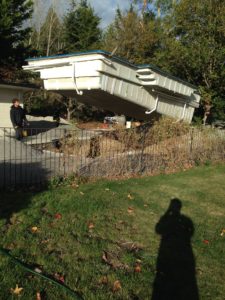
(6,96)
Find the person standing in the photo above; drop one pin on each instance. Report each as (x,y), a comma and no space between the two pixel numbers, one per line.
(18,118)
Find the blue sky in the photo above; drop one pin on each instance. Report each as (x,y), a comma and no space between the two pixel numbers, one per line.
(105,9)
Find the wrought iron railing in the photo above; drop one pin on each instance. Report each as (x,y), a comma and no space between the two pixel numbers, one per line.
(62,152)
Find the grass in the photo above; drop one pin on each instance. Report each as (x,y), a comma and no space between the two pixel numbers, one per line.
(83,232)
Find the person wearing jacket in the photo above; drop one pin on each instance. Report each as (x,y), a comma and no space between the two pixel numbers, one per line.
(18,118)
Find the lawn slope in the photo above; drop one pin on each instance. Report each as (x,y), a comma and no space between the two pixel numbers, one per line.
(117,239)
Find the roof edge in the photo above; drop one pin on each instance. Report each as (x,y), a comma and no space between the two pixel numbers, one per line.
(114,57)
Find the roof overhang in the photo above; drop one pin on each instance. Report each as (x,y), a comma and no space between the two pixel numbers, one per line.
(96,74)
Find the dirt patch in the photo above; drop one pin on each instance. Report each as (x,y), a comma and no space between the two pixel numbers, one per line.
(91,125)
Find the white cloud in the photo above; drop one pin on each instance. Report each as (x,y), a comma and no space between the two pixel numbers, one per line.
(106,9)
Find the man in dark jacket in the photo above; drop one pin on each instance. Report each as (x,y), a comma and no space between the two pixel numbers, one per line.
(18,118)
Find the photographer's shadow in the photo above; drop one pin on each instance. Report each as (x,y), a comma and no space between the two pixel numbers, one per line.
(175,275)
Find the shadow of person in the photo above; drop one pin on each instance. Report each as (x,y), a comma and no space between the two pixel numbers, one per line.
(175,274)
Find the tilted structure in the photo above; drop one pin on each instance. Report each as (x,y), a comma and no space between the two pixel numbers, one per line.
(114,84)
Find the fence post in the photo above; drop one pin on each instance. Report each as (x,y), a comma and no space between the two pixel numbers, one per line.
(142,151)
(192,138)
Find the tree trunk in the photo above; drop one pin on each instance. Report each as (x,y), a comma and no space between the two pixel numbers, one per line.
(159,11)
(207,109)
(49,36)
(70,108)
(68,114)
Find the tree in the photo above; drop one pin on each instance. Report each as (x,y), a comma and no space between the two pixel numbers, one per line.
(81,33)
(81,28)
(13,33)
(51,41)
(193,47)
(133,36)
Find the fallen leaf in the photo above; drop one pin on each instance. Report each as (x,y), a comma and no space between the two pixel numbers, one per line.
(222,232)
(130,210)
(117,286)
(137,268)
(11,246)
(104,280)
(199,271)
(74,185)
(58,216)
(91,225)
(38,270)
(130,197)
(107,189)
(14,220)
(45,241)
(34,229)
(206,242)
(17,291)
(130,246)
(59,277)
(82,193)
(38,296)
(145,205)
(112,259)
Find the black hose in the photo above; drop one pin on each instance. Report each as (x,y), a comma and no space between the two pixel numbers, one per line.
(27,268)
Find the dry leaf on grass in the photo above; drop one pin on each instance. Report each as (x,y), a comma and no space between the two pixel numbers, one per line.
(58,216)
(112,260)
(59,277)
(34,229)
(45,241)
(81,193)
(130,210)
(38,270)
(91,225)
(75,185)
(104,280)
(130,246)
(130,197)
(11,246)
(137,268)
(222,232)
(117,286)
(17,291)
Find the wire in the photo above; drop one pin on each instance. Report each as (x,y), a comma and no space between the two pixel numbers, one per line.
(24,266)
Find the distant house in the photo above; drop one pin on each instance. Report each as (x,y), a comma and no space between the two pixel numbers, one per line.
(7,93)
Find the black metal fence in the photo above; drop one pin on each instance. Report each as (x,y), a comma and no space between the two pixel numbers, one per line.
(62,152)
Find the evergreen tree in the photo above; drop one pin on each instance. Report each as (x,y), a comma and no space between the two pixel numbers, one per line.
(193,46)
(13,33)
(187,38)
(134,36)
(82,30)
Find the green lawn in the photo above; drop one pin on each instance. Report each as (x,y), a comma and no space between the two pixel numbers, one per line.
(101,239)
